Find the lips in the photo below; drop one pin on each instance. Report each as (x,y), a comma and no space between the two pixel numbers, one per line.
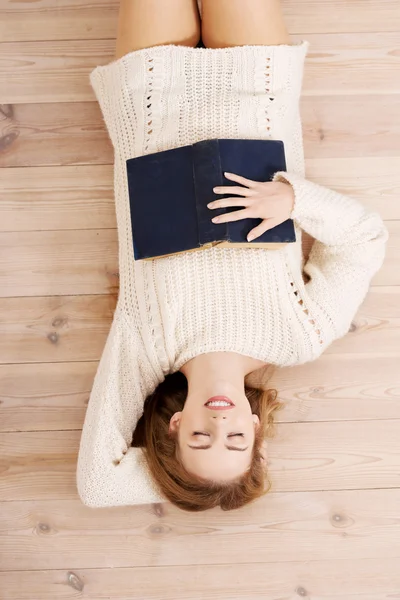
(219,403)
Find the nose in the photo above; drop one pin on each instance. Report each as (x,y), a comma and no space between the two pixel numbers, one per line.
(219,417)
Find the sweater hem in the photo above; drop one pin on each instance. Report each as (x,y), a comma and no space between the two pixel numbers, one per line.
(302,45)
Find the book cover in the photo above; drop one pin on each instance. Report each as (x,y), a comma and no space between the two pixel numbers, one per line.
(169,192)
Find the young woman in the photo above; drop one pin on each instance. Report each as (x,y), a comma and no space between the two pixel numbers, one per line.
(189,329)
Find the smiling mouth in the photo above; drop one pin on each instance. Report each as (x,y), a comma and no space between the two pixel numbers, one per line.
(219,403)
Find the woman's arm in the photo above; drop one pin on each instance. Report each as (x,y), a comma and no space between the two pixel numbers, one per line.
(349,249)
(110,472)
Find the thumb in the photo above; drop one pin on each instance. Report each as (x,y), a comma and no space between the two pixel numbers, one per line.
(266,225)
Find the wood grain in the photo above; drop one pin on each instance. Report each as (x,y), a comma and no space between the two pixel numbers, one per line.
(61,20)
(76,19)
(352,579)
(56,198)
(309,16)
(54,328)
(53,396)
(337,63)
(53,262)
(277,529)
(62,328)
(371,180)
(340,427)
(53,134)
(60,69)
(349,126)
(73,197)
(340,387)
(74,133)
(352,63)
(59,262)
(46,396)
(304,456)
(375,328)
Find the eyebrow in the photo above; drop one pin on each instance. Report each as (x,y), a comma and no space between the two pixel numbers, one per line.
(207,447)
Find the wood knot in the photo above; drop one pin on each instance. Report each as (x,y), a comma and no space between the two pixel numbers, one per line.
(340,521)
(75,582)
(44,528)
(159,530)
(8,139)
(300,591)
(59,322)
(321,135)
(317,390)
(53,337)
(7,111)
(353,328)
(158,509)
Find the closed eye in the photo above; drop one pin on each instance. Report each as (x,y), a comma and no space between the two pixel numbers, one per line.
(235,435)
(201,433)
(207,447)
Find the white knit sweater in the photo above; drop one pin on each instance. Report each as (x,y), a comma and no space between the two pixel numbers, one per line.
(250,301)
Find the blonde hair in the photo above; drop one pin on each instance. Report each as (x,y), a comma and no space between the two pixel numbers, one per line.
(184,489)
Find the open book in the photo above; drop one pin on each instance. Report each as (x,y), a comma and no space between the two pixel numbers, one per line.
(169,192)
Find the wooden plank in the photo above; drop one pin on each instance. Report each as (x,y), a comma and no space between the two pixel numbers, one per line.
(60,70)
(54,328)
(72,197)
(53,262)
(76,19)
(304,456)
(48,396)
(375,328)
(53,134)
(53,396)
(56,198)
(63,328)
(59,262)
(348,126)
(367,579)
(280,528)
(61,20)
(316,16)
(340,387)
(374,181)
(69,197)
(350,63)
(74,133)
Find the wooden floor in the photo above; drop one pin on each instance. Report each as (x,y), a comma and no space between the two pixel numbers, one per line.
(331,528)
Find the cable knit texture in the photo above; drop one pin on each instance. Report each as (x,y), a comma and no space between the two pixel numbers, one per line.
(250,301)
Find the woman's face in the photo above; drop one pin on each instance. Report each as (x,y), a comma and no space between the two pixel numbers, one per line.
(215,436)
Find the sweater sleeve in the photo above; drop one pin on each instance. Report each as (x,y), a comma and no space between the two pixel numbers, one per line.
(110,472)
(349,249)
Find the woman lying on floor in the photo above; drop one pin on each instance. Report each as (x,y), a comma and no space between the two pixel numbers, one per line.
(190,329)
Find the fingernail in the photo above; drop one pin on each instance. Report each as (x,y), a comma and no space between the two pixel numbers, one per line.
(216,190)
(209,205)
(227,174)
(250,237)
(215,220)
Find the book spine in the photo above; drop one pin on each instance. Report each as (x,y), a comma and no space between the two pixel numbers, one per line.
(207,173)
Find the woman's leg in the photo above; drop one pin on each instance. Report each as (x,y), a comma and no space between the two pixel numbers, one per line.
(147,23)
(243,23)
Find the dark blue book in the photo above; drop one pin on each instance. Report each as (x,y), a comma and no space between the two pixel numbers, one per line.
(169,192)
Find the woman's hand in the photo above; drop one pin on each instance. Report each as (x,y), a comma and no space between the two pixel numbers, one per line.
(272,202)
